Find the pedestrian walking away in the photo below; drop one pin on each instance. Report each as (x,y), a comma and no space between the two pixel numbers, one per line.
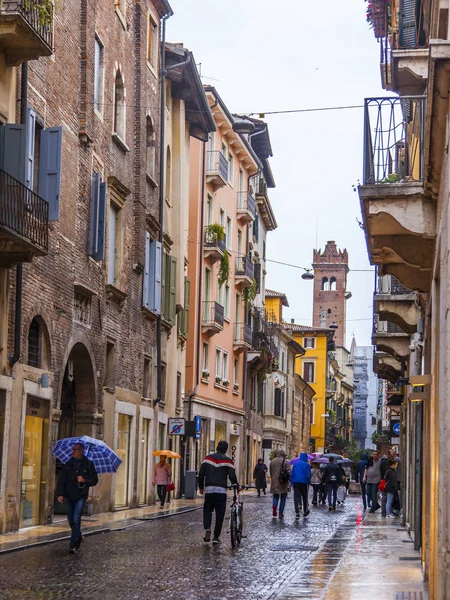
(391,486)
(332,477)
(316,482)
(372,476)
(259,476)
(383,468)
(300,480)
(75,479)
(215,471)
(280,470)
(360,468)
(162,476)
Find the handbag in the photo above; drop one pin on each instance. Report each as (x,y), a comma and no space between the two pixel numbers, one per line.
(382,486)
(170,487)
(284,476)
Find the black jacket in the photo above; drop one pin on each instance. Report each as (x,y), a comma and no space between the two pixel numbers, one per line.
(332,474)
(391,481)
(68,486)
(215,471)
(384,466)
(259,474)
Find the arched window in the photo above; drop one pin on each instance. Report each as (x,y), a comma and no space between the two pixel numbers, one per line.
(38,355)
(168,175)
(333,283)
(329,311)
(119,106)
(325,284)
(151,148)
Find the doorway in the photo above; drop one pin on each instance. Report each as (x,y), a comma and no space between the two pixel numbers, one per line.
(34,463)
(123,452)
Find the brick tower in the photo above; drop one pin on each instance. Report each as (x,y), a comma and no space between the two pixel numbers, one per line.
(330,283)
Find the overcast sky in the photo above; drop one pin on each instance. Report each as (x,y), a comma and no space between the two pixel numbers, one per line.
(307,55)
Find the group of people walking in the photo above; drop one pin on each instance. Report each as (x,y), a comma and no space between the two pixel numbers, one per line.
(380,474)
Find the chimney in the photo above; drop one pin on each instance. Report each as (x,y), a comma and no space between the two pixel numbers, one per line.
(292,321)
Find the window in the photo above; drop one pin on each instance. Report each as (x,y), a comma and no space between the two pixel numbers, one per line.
(230,168)
(241,181)
(220,295)
(309,342)
(264,249)
(119,106)
(98,218)
(34,344)
(282,361)
(235,371)
(277,403)
(184,315)
(163,383)
(110,365)
(99,69)
(169,287)
(114,245)
(151,148)
(205,359)
(179,399)
(147,384)
(122,6)
(309,372)
(225,366)
(329,311)
(152,284)
(229,232)
(260,396)
(209,211)
(227,301)
(222,218)
(333,284)
(325,284)
(257,276)
(152,42)
(256,228)
(218,363)
(168,177)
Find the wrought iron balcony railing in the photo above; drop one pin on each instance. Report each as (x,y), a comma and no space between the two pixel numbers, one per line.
(213,313)
(244,267)
(22,212)
(217,163)
(242,333)
(394,140)
(246,202)
(39,16)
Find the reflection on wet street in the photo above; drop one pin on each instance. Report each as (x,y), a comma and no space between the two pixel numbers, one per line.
(322,556)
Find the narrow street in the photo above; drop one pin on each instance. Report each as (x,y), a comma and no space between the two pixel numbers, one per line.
(168,559)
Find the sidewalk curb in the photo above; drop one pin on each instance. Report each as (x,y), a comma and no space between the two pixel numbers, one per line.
(64,538)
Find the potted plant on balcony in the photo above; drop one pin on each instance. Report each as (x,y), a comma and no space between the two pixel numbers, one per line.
(218,379)
(224,269)
(44,10)
(205,373)
(249,294)
(225,382)
(236,387)
(378,16)
(215,232)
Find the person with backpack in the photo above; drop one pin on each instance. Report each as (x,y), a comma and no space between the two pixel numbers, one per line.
(316,482)
(372,476)
(300,480)
(332,477)
(280,473)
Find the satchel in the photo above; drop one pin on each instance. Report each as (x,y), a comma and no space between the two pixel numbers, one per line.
(284,476)
(170,487)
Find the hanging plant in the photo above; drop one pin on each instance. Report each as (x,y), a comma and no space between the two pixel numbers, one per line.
(215,232)
(249,294)
(44,10)
(224,269)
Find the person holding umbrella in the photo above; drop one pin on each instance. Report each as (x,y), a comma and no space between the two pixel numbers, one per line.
(162,476)
(75,479)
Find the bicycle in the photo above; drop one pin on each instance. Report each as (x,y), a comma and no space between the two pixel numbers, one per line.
(236,517)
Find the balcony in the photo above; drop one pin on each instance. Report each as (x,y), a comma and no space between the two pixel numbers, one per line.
(399,218)
(26,30)
(213,247)
(244,272)
(405,51)
(246,209)
(213,314)
(242,337)
(216,168)
(274,424)
(23,222)
(390,338)
(393,302)
(386,367)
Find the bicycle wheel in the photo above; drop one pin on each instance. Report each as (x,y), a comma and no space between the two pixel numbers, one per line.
(233,528)
(240,524)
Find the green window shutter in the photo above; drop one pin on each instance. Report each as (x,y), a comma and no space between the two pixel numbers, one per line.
(172,288)
(164,286)
(187,307)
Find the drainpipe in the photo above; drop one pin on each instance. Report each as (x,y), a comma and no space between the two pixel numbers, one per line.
(19,268)
(199,304)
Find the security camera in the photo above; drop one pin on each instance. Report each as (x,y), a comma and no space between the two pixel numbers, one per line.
(412,347)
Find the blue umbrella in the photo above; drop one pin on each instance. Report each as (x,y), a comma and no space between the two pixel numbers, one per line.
(105,460)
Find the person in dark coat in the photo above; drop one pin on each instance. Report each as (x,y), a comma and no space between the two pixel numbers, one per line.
(75,479)
(390,489)
(332,477)
(259,475)
(360,468)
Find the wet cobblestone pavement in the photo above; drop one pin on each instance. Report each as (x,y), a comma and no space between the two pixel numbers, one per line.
(167,559)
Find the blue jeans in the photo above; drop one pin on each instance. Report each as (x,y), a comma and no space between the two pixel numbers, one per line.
(390,500)
(276,499)
(74,512)
(332,488)
(372,493)
(364,494)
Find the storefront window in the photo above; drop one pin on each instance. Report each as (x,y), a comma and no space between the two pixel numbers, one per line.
(123,451)
(144,461)
(221,431)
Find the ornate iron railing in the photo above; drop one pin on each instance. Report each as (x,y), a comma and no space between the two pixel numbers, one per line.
(35,14)
(23,212)
(394,139)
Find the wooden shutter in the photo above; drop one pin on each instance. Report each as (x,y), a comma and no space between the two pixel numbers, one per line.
(172,281)
(50,169)
(164,305)
(13,150)
(29,167)
(408,23)
(187,306)
(95,194)
(101,224)
(146,278)
(155,277)
(257,276)
(277,403)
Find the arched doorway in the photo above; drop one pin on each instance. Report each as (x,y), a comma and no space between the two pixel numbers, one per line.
(78,401)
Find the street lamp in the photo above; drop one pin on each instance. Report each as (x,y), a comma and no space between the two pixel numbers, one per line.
(243,125)
(308,275)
